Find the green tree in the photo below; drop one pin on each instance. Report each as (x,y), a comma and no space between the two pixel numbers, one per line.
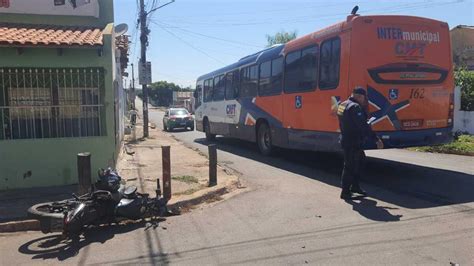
(281,37)
(465,80)
(161,92)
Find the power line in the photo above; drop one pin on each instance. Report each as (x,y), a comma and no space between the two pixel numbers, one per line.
(306,18)
(190,45)
(286,10)
(204,35)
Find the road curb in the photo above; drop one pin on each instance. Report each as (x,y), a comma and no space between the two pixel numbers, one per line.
(209,196)
(17,226)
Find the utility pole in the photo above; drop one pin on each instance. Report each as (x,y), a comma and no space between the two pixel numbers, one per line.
(144,41)
(132,88)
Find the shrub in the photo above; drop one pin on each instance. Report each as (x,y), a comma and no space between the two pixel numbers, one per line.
(465,80)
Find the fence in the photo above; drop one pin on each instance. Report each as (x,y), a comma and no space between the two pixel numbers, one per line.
(38,103)
(463,120)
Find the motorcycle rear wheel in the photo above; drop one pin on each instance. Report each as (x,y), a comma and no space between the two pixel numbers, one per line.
(54,209)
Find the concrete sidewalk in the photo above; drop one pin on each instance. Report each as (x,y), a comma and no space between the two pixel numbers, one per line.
(455,163)
(142,167)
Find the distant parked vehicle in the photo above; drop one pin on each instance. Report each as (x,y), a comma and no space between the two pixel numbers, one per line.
(178,118)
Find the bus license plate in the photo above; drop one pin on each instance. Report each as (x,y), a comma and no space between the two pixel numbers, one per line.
(412,123)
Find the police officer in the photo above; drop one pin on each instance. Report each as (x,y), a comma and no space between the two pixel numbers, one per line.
(355,131)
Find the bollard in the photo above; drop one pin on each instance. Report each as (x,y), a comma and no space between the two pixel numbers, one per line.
(212,165)
(158,188)
(165,153)
(84,172)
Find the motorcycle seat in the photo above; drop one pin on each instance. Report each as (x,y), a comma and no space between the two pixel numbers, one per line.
(130,191)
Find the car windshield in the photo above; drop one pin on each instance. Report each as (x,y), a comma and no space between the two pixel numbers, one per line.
(179,112)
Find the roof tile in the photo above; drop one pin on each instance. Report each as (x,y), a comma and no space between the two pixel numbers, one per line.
(48,35)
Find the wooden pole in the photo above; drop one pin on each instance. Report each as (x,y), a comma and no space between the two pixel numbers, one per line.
(144,42)
(165,152)
(212,165)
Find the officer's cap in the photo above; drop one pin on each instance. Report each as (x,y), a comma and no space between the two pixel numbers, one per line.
(359,90)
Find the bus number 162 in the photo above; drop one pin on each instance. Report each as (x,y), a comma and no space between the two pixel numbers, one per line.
(417,94)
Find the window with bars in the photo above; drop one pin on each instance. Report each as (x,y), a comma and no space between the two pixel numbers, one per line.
(37,103)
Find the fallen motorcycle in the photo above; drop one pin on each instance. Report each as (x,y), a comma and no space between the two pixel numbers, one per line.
(108,202)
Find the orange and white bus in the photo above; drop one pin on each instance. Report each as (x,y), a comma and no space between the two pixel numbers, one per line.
(287,95)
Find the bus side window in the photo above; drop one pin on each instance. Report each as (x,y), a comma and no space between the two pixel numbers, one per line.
(330,61)
(277,75)
(301,70)
(236,83)
(229,83)
(309,68)
(208,84)
(198,94)
(249,80)
(292,71)
(219,88)
(264,85)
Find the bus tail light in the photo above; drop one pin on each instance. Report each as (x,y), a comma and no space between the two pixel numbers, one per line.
(451,110)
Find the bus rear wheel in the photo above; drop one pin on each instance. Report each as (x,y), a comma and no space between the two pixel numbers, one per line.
(264,139)
(207,130)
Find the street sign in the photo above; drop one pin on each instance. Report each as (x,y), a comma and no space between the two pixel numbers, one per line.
(144,73)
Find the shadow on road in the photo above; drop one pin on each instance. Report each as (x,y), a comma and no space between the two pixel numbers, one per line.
(406,185)
(57,247)
(369,209)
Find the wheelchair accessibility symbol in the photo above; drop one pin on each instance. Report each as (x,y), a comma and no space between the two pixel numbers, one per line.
(298,102)
(393,94)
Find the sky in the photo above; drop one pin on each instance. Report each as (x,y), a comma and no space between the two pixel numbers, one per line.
(190,38)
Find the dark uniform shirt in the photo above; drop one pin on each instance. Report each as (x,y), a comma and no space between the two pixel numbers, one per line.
(353,124)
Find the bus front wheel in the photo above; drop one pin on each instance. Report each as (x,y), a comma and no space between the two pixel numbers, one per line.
(264,139)
(207,130)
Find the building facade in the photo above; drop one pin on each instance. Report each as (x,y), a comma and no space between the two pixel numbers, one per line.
(462,42)
(60,90)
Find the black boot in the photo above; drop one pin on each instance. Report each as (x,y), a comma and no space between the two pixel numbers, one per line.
(346,195)
(358,190)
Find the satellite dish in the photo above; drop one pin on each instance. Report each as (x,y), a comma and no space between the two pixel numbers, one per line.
(120,29)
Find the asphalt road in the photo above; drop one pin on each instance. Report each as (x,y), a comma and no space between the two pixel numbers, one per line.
(420,211)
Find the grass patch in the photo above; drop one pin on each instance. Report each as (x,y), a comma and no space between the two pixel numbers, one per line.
(188,179)
(189,191)
(462,145)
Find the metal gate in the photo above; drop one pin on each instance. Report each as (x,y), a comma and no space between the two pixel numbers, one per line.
(37,103)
